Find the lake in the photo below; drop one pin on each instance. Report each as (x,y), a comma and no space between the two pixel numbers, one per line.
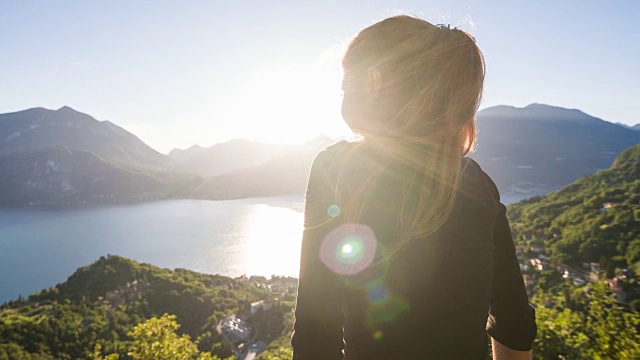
(40,247)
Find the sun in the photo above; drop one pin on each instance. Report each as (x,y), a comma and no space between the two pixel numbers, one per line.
(287,101)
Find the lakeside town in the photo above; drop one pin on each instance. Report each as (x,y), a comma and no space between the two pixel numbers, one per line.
(247,333)
(534,262)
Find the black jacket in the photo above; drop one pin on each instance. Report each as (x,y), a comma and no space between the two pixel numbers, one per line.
(437,298)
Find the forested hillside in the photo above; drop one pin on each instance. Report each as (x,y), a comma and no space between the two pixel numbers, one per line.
(101,304)
(595,219)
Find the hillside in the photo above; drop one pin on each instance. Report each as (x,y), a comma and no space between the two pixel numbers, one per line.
(60,175)
(39,128)
(67,157)
(227,157)
(632,127)
(101,303)
(595,219)
(539,148)
(283,175)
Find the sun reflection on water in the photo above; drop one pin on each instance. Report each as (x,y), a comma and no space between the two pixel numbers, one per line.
(271,241)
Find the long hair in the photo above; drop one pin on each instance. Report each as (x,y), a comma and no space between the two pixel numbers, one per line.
(437,76)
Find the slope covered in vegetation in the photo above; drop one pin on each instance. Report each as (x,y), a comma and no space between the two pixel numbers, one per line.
(595,219)
(101,304)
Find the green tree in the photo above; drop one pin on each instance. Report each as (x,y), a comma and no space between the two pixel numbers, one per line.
(603,331)
(612,330)
(156,339)
(97,354)
(283,353)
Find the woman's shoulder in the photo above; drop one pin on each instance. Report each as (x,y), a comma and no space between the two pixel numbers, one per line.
(337,147)
(334,152)
(474,179)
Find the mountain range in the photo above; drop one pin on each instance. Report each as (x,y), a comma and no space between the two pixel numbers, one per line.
(227,157)
(65,156)
(540,148)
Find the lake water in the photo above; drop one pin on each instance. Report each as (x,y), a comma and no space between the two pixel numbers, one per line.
(40,247)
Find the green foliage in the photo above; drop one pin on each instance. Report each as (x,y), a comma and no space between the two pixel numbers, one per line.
(283,353)
(97,354)
(595,219)
(572,322)
(280,346)
(576,226)
(548,279)
(604,330)
(14,351)
(156,339)
(67,321)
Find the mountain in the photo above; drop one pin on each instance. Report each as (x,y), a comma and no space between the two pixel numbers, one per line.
(632,127)
(227,157)
(595,219)
(64,156)
(527,151)
(39,128)
(282,175)
(539,148)
(60,175)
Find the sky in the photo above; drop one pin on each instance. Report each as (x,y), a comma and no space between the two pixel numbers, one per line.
(180,73)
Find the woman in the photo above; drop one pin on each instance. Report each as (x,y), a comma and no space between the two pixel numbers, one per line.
(407,252)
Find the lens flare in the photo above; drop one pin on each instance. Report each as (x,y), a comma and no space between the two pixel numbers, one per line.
(333,210)
(386,311)
(374,274)
(348,249)
(377,292)
(377,335)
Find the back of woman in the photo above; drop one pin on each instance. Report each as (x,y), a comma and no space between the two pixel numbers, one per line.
(407,252)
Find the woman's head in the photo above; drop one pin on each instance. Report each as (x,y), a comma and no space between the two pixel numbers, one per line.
(412,90)
(408,79)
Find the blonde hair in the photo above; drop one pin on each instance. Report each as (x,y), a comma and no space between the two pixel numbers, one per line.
(437,74)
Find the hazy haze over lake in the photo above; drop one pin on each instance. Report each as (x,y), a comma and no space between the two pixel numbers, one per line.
(42,247)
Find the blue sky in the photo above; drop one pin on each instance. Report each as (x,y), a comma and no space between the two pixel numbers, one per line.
(178,73)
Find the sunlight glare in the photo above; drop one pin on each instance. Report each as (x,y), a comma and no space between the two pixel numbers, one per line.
(285,101)
(272,241)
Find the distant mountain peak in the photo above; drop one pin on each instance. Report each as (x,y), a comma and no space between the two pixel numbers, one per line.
(66,108)
(37,108)
(535,111)
(632,127)
(543,106)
